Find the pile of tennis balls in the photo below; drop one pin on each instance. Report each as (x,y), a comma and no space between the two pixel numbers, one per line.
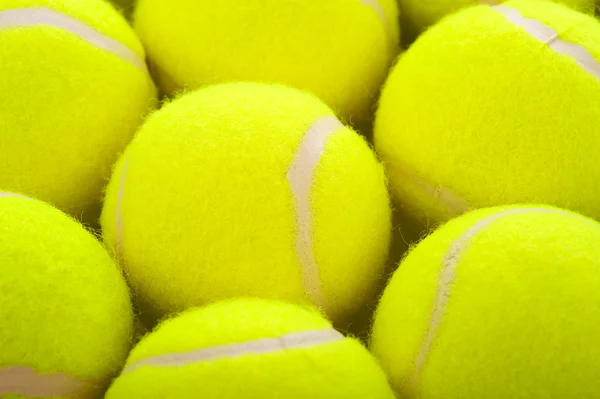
(300,199)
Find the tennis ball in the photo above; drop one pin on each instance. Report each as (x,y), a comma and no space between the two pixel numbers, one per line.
(66,314)
(76,87)
(248,189)
(250,348)
(498,303)
(493,106)
(420,14)
(338,49)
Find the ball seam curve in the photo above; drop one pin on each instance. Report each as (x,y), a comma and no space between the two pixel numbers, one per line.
(446,278)
(35,16)
(300,176)
(298,340)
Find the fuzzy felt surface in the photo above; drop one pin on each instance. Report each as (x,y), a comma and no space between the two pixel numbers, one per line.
(420,14)
(499,303)
(338,49)
(200,207)
(69,106)
(341,368)
(479,113)
(65,305)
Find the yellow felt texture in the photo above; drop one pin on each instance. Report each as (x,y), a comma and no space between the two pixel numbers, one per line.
(479,113)
(341,369)
(65,305)
(519,311)
(69,107)
(338,49)
(207,211)
(420,14)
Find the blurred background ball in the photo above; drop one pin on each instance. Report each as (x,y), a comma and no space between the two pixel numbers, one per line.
(338,49)
(76,87)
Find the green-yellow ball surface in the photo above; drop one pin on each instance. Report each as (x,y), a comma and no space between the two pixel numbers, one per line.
(338,49)
(248,189)
(495,105)
(420,14)
(247,349)
(75,87)
(498,303)
(67,320)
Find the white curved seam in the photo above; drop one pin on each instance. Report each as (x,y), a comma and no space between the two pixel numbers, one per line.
(23,17)
(446,279)
(25,381)
(301,177)
(552,38)
(305,339)
(378,9)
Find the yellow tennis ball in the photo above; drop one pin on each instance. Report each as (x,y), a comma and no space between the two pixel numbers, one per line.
(250,348)
(420,14)
(499,303)
(338,49)
(75,89)
(67,320)
(493,106)
(248,189)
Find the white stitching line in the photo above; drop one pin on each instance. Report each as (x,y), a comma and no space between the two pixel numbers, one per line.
(446,279)
(22,17)
(304,339)
(551,37)
(300,177)
(20,380)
